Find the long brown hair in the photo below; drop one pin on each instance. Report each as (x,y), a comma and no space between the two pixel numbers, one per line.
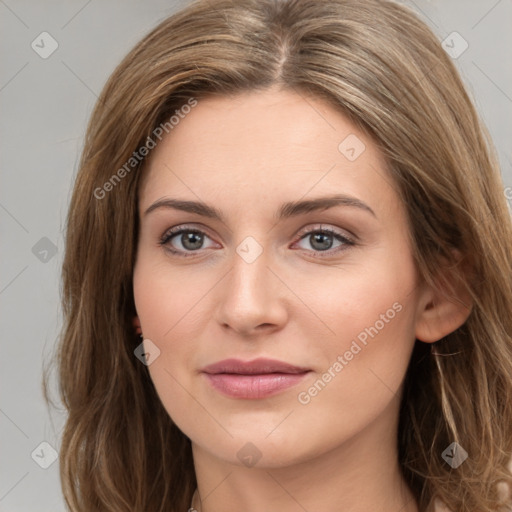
(378,64)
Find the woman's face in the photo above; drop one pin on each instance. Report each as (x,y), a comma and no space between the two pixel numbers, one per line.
(332,291)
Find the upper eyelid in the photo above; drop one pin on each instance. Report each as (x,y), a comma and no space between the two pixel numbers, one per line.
(328,228)
(175,230)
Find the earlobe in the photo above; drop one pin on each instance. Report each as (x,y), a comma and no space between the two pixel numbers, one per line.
(444,309)
(136,324)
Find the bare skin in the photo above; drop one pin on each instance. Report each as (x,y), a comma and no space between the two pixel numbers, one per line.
(333,449)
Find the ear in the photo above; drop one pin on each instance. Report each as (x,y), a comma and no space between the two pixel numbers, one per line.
(136,324)
(444,306)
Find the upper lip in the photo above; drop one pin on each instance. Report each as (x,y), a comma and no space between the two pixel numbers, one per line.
(254,367)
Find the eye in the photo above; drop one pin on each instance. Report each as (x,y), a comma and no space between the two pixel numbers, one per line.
(185,241)
(322,240)
(188,240)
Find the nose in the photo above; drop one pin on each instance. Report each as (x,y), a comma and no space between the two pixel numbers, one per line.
(252,298)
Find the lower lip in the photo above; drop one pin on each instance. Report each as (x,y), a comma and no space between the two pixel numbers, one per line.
(253,386)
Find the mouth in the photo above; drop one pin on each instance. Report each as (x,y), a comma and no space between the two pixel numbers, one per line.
(255,379)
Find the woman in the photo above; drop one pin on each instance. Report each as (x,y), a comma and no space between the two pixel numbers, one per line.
(287,272)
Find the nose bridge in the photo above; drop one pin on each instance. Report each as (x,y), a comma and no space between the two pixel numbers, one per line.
(250,275)
(250,294)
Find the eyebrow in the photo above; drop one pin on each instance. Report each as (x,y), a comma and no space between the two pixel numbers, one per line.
(287,210)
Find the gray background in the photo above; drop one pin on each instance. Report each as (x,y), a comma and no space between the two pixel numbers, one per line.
(45,104)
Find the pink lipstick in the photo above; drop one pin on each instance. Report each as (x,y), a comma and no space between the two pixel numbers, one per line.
(255,379)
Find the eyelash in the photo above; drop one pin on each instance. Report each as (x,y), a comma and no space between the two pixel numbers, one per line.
(178,230)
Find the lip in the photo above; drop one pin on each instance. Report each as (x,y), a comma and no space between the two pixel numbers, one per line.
(255,367)
(255,379)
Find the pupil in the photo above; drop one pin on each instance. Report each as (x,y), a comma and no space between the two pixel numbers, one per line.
(192,240)
(324,240)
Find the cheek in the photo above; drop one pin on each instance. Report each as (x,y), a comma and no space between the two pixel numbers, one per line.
(167,300)
(370,311)
(365,363)
(172,311)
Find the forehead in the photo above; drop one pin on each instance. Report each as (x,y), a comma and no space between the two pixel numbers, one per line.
(270,126)
(254,146)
